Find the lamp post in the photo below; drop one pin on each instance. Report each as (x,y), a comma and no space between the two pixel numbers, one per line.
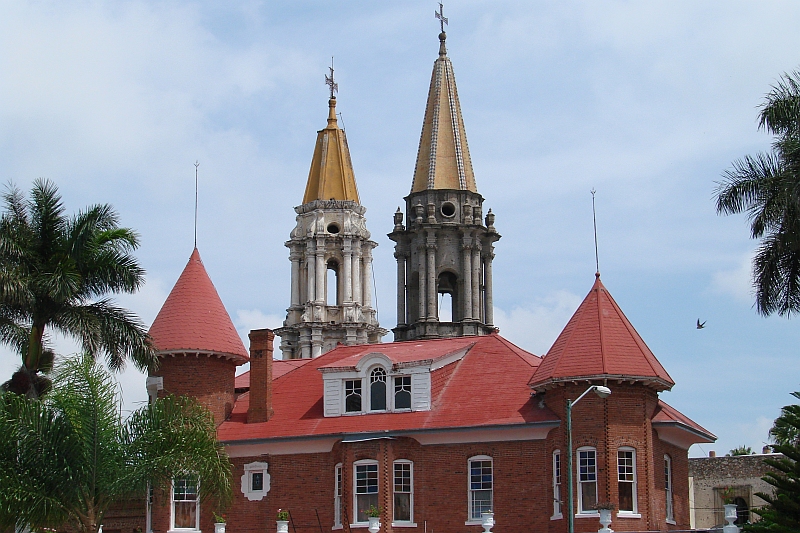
(603,392)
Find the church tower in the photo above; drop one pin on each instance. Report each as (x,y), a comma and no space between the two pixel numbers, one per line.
(331,255)
(444,252)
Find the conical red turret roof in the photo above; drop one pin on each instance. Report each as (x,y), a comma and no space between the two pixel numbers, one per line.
(600,343)
(193,318)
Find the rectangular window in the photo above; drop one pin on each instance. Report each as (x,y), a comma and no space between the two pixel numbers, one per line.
(365,489)
(668,487)
(587,480)
(337,498)
(185,503)
(352,396)
(480,486)
(256,481)
(403,493)
(557,484)
(402,392)
(626,480)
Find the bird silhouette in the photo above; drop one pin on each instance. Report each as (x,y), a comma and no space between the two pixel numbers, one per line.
(699,325)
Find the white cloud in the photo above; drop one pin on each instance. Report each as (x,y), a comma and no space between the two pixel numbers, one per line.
(736,282)
(535,327)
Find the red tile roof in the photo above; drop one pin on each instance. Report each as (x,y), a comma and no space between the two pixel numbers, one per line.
(600,342)
(486,387)
(194,319)
(279,368)
(668,416)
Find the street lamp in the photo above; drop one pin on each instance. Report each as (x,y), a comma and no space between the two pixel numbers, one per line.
(603,392)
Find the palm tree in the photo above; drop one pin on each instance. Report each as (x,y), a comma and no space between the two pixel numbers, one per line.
(54,273)
(66,457)
(767,187)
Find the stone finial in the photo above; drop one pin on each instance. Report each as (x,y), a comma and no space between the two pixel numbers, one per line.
(490,219)
(398,220)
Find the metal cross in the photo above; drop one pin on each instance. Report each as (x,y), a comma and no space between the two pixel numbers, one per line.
(441,17)
(329,81)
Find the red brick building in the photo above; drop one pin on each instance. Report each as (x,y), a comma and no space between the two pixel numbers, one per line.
(452,421)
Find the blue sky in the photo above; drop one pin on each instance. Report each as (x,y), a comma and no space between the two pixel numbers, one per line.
(647,102)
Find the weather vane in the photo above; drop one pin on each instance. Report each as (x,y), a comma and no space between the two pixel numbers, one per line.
(441,17)
(330,83)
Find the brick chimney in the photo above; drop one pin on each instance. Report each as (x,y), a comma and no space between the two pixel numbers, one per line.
(711,453)
(260,409)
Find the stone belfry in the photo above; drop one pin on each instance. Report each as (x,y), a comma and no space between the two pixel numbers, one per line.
(331,255)
(444,249)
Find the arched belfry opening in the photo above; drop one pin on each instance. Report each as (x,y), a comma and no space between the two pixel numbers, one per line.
(333,296)
(447,288)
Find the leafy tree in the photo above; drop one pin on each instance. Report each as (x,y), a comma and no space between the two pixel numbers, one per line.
(786,429)
(741,450)
(782,512)
(767,187)
(65,458)
(54,273)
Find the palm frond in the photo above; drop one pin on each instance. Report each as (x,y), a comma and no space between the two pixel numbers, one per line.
(781,110)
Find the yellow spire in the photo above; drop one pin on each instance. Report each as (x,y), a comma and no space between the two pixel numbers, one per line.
(443,160)
(331,176)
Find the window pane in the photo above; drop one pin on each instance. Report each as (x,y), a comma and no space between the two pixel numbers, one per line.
(587,465)
(352,396)
(402,507)
(377,396)
(402,392)
(366,479)
(364,502)
(257,481)
(625,496)
(185,514)
(625,465)
(480,475)
(481,502)
(588,495)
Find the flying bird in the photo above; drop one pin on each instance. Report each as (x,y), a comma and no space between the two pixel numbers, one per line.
(699,325)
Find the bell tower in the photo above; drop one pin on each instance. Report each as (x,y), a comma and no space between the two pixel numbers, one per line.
(331,255)
(445,249)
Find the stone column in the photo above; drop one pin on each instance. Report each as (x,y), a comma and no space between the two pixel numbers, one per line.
(489,300)
(316,342)
(347,261)
(294,257)
(467,281)
(356,272)
(476,281)
(320,270)
(430,248)
(311,263)
(423,277)
(401,287)
(367,275)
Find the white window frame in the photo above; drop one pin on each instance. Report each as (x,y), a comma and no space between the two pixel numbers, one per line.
(387,379)
(470,490)
(247,481)
(356,464)
(581,510)
(344,396)
(670,502)
(558,470)
(172,506)
(410,521)
(338,481)
(393,394)
(634,513)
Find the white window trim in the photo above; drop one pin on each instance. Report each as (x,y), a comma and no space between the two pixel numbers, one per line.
(364,393)
(249,470)
(635,512)
(588,512)
(355,522)
(172,509)
(338,492)
(386,387)
(410,521)
(476,521)
(557,487)
(668,492)
(391,392)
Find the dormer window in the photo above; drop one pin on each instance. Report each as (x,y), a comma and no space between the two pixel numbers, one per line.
(352,396)
(377,389)
(402,392)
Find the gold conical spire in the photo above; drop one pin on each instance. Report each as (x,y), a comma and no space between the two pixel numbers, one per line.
(331,176)
(443,160)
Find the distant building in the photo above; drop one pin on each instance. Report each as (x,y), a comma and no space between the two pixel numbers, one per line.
(738,477)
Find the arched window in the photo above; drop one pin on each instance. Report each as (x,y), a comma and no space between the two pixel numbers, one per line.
(742,511)
(626,480)
(377,390)
(668,488)
(481,486)
(447,287)
(587,480)
(365,489)
(337,497)
(403,508)
(557,485)
(332,284)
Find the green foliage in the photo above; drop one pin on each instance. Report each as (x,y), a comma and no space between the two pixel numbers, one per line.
(65,458)
(786,429)
(741,450)
(782,512)
(767,188)
(55,271)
